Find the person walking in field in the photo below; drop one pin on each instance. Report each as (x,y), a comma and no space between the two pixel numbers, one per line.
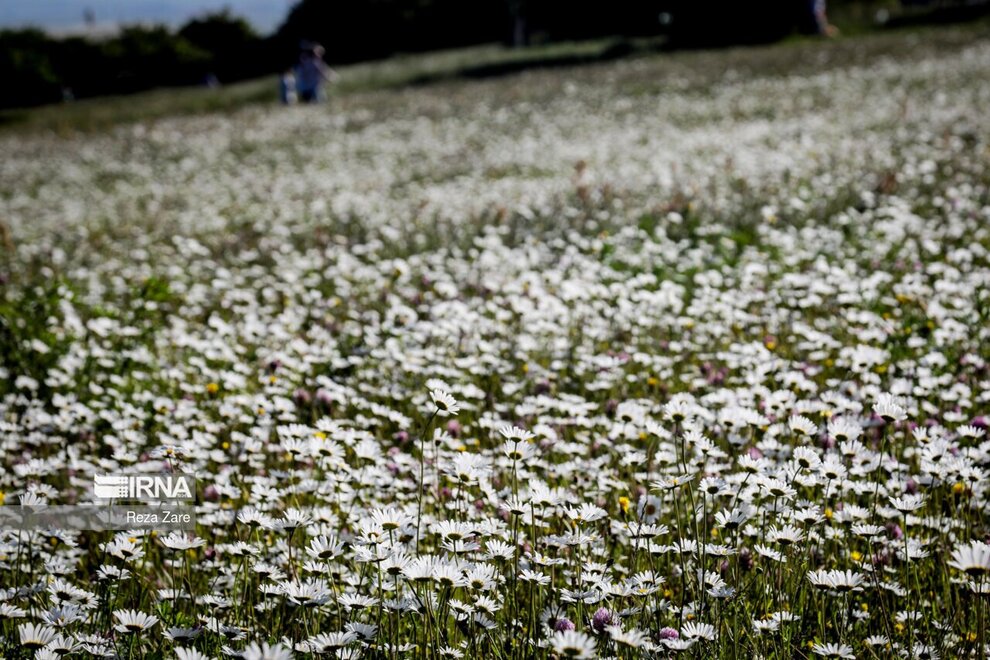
(311,73)
(287,87)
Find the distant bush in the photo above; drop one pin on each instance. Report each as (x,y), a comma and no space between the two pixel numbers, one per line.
(26,69)
(236,51)
(36,68)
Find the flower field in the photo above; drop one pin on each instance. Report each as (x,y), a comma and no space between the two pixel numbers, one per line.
(682,355)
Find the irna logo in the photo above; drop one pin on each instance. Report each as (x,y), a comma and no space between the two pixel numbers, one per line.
(144,487)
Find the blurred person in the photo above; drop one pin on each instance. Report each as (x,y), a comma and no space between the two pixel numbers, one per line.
(311,73)
(287,87)
(819,18)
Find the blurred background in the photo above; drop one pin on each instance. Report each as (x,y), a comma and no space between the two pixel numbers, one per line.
(63,50)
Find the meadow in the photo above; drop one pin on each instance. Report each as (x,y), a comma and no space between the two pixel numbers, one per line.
(676,355)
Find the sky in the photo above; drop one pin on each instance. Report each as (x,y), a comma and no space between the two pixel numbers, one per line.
(66,16)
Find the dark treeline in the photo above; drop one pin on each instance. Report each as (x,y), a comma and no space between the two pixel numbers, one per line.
(371,29)
(36,68)
(355,31)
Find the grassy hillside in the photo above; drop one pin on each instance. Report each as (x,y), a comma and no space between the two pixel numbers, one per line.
(797,54)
